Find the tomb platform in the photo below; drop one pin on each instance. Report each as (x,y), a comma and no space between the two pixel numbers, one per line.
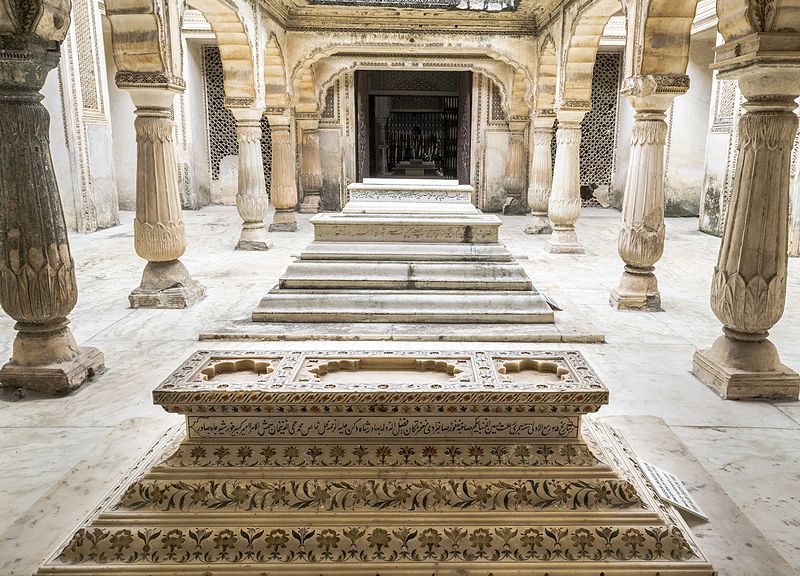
(411,251)
(384,462)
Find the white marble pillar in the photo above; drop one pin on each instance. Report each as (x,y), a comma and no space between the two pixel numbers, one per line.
(310,166)
(541,173)
(514,181)
(748,291)
(284,184)
(794,217)
(251,195)
(564,206)
(641,236)
(158,229)
(37,275)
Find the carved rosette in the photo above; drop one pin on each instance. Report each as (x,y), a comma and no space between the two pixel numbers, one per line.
(159,234)
(641,236)
(514,181)
(541,178)
(564,206)
(749,287)
(311,166)
(284,185)
(251,197)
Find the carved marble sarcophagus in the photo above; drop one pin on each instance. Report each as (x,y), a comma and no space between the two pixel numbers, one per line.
(387,463)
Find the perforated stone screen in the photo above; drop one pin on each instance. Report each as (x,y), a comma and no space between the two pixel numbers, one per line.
(220,123)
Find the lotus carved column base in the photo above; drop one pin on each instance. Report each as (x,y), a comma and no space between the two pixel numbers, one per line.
(540,224)
(283,221)
(253,237)
(166,285)
(637,290)
(745,367)
(564,241)
(47,360)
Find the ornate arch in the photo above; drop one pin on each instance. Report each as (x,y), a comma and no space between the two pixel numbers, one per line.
(581,50)
(276,86)
(145,39)
(547,75)
(235,48)
(665,37)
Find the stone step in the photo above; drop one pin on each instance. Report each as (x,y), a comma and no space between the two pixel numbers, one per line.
(414,228)
(406,275)
(394,251)
(421,208)
(456,307)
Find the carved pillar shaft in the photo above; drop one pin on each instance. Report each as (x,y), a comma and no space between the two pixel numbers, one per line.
(541,174)
(514,181)
(564,206)
(641,237)
(310,171)
(749,285)
(794,218)
(158,229)
(284,185)
(251,195)
(37,275)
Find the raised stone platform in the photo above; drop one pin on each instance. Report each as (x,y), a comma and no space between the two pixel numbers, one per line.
(414,251)
(364,463)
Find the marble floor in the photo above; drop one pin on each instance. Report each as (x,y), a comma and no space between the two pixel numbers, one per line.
(749,449)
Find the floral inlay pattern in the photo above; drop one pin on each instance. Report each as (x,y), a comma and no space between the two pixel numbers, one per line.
(416,495)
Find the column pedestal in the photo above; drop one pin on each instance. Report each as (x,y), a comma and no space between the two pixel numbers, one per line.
(251,196)
(37,275)
(158,229)
(541,178)
(284,184)
(748,292)
(564,206)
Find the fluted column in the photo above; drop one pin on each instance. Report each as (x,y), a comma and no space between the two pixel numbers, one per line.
(749,285)
(541,174)
(641,236)
(310,166)
(514,181)
(284,185)
(37,275)
(564,206)
(251,195)
(158,230)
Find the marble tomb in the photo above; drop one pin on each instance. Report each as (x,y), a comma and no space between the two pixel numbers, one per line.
(384,462)
(414,251)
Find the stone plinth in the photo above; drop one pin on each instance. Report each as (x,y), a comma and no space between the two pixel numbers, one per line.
(386,462)
(415,251)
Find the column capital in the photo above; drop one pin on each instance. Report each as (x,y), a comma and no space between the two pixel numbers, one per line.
(247,115)
(542,122)
(777,50)
(571,117)
(152,97)
(765,83)
(307,124)
(654,92)
(155,80)
(518,126)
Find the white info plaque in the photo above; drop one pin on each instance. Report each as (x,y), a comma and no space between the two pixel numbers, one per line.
(670,488)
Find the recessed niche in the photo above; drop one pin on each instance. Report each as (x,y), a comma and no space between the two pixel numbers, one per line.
(244,370)
(533,372)
(385,371)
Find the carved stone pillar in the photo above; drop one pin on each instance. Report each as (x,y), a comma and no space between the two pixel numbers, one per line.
(158,229)
(310,166)
(284,185)
(794,218)
(564,206)
(541,175)
(749,287)
(514,181)
(382,149)
(37,274)
(641,235)
(251,196)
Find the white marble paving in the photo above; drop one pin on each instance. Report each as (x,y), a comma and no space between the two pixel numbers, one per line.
(750,449)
